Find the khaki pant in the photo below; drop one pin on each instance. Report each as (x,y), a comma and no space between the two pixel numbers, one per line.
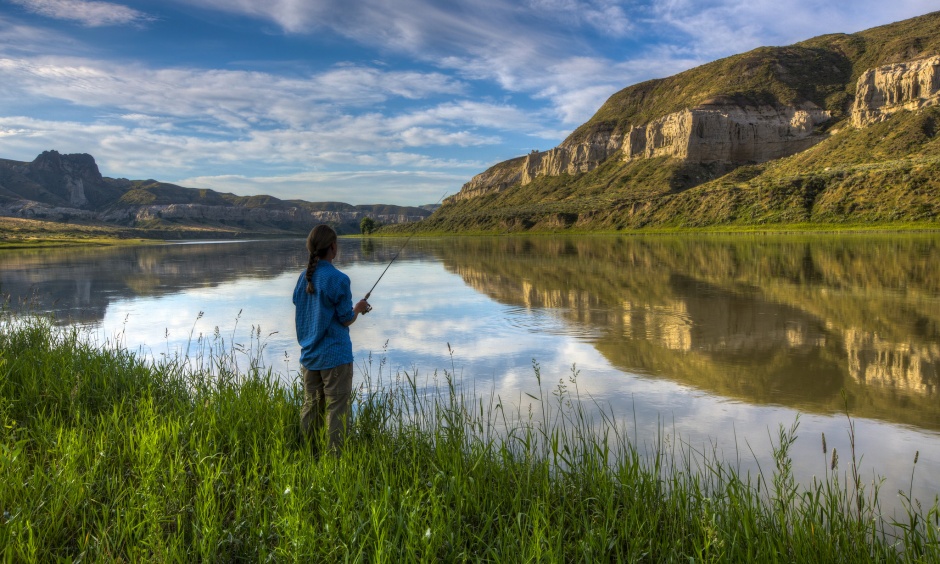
(327,398)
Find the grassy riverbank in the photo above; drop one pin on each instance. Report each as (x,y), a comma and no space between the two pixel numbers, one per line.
(771,229)
(18,233)
(105,457)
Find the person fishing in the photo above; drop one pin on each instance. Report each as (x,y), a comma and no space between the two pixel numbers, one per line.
(323,314)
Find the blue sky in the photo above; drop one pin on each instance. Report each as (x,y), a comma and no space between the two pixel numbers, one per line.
(361,101)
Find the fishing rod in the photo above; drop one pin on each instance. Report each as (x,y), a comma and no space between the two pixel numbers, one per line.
(405,244)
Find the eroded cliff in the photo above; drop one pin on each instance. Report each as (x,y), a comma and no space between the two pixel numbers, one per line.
(722,133)
(885,90)
(764,105)
(728,134)
(573,158)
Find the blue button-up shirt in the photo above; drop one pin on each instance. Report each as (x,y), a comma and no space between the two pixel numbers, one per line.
(320,317)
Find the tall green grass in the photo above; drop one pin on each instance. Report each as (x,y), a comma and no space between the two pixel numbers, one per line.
(106,456)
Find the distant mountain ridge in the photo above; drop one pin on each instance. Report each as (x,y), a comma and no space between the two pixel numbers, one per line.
(69,187)
(774,135)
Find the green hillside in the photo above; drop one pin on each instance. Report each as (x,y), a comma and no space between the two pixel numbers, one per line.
(764,76)
(888,172)
(884,173)
(822,70)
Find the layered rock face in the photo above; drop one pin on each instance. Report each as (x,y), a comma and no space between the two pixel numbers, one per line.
(885,90)
(292,218)
(572,159)
(285,218)
(727,134)
(494,179)
(712,133)
(28,209)
(66,175)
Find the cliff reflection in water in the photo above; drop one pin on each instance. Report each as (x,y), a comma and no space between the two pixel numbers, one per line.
(773,320)
(782,320)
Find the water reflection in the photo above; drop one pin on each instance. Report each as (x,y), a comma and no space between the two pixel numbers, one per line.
(810,323)
(77,285)
(766,320)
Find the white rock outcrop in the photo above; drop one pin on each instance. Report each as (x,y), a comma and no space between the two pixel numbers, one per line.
(283,217)
(711,133)
(727,134)
(290,218)
(494,179)
(885,90)
(572,159)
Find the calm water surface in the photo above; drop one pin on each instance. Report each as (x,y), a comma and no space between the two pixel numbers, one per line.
(714,340)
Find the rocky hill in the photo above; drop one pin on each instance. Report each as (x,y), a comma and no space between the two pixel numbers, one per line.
(70,188)
(839,129)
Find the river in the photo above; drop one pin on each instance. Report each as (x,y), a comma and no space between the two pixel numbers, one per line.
(711,340)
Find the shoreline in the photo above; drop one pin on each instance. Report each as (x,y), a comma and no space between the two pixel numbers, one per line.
(774,229)
(18,233)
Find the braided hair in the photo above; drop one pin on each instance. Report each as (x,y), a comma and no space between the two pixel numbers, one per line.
(318,244)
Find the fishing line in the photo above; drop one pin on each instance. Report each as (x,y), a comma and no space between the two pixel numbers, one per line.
(405,244)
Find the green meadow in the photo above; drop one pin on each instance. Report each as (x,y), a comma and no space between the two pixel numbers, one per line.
(106,455)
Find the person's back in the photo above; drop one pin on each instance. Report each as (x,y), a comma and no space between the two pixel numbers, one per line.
(323,314)
(320,318)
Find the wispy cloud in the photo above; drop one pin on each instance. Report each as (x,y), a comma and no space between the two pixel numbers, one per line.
(169,116)
(222,99)
(724,27)
(608,17)
(358,167)
(516,46)
(543,48)
(86,12)
(18,38)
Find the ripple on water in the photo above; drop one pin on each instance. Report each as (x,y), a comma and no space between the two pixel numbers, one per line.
(546,322)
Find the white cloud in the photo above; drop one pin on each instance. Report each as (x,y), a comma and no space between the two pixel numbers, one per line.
(540,47)
(515,46)
(401,177)
(397,159)
(167,122)
(86,12)
(725,27)
(468,112)
(124,150)
(423,137)
(230,99)
(292,15)
(607,17)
